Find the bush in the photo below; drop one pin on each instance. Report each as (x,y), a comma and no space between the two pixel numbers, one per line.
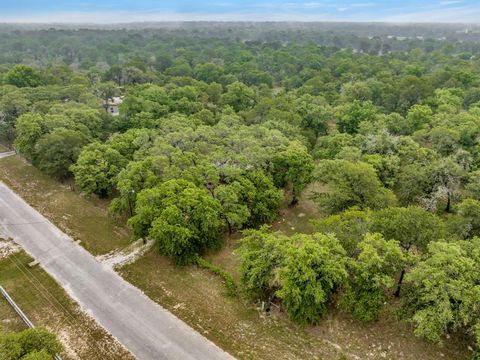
(227,277)
(31,343)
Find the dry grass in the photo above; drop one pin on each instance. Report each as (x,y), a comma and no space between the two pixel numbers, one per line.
(198,298)
(81,218)
(47,305)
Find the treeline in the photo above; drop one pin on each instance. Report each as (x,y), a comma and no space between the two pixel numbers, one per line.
(34,44)
(215,136)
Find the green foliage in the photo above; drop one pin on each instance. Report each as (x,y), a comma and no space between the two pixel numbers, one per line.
(260,256)
(97,168)
(410,226)
(443,289)
(418,117)
(294,167)
(37,355)
(239,96)
(28,131)
(302,271)
(465,223)
(23,76)
(315,113)
(220,122)
(263,199)
(431,184)
(350,227)
(234,211)
(372,274)
(182,218)
(135,177)
(329,146)
(226,276)
(350,184)
(313,267)
(473,185)
(352,114)
(29,344)
(386,167)
(58,150)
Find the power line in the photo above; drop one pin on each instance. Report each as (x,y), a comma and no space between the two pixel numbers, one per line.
(25,223)
(46,294)
(62,310)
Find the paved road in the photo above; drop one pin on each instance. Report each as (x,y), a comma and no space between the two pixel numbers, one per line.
(145,328)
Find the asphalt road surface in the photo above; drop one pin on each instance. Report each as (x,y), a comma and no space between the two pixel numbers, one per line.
(142,326)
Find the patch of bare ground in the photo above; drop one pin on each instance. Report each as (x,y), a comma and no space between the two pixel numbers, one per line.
(7,248)
(117,259)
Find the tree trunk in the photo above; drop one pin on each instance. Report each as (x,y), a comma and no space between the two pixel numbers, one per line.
(448,203)
(294,201)
(130,206)
(399,285)
(230,229)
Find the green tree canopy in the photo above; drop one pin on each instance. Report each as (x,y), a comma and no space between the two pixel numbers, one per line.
(29,344)
(350,184)
(97,168)
(183,219)
(443,290)
(372,274)
(58,150)
(293,167)
(302,271)
(23,76)
(313,267)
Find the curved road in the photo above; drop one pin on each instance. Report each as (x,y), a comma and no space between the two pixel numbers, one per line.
(142,326)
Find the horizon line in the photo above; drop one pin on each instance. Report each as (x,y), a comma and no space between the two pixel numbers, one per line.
(386,22)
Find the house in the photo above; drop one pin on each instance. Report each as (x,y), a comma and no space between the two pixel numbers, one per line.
(112,105)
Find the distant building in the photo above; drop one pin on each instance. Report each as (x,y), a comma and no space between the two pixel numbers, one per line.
(112,104)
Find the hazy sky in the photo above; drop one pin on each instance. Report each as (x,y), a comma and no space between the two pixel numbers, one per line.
(111,11)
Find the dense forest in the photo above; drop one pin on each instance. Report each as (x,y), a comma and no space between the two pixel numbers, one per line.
(222,125)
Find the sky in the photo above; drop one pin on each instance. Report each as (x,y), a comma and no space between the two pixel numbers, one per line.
(115,11)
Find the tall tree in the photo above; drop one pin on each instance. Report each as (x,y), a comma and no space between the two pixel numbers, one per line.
(183,219)
(23,76)
(443,290)
(372,274)
(412,227)
(97,168)
(350,184)
(58,150)
(293,167)
(313,268)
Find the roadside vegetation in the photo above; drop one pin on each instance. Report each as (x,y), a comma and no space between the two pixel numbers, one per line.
(344,179)
(30,344)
